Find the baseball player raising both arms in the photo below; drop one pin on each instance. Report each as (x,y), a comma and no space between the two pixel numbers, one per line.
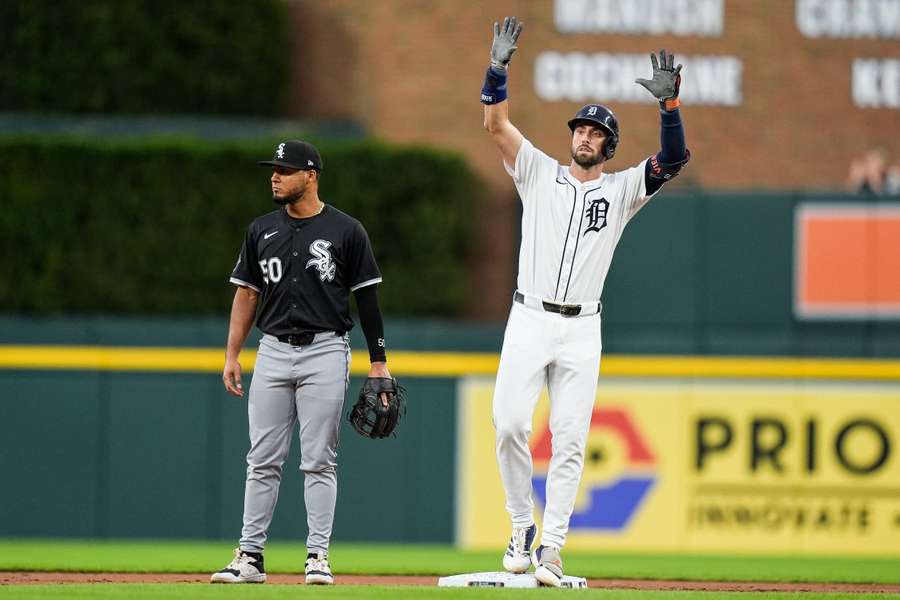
(573,217)
(296,269)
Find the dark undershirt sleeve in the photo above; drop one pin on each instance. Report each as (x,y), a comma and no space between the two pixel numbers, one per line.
(653,184)
(673,153)
(671,138)
(371,321)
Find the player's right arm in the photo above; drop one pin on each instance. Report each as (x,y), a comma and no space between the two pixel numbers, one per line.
(247,275)
(243,311)
(493,95)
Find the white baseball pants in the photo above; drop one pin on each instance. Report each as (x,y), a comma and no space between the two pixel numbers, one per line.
(564,353)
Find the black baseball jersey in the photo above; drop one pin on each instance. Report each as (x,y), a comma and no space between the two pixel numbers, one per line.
(305,269)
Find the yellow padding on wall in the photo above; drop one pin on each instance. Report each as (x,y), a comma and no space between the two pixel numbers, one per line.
(448,364)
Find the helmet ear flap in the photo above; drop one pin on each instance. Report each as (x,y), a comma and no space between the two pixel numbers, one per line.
(609,146)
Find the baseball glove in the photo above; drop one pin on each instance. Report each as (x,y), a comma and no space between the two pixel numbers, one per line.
(369,416)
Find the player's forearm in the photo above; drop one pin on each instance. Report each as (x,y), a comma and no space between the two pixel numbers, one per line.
(496,121)
(496,117)
(673,154)
(671,138)
(372,323)
(505,135)
(243,311)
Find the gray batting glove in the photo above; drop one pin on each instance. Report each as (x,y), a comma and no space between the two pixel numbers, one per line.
(666,77)
(505,42)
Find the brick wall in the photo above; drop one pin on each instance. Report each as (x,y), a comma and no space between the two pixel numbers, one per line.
(411,71)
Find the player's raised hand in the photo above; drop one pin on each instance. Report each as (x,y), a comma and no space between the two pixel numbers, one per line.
(505,41)
(666,77)
(231,376)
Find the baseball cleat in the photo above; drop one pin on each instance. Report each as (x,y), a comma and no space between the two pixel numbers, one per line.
(318,571)
(547,565)
(518,554)
(247,567)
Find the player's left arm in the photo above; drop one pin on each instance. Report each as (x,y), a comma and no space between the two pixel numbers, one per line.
(373,329)
(673,154)
(365,276)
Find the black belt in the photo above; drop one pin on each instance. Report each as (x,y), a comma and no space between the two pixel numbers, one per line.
(566,310)
(297,339)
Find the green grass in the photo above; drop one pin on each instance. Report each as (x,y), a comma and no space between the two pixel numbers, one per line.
(278,592)
(422,559)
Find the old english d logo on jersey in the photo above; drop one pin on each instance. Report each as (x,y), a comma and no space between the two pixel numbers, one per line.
(596,215)
(322,261)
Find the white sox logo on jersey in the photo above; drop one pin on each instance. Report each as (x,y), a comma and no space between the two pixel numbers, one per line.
(596,214)
(323,262)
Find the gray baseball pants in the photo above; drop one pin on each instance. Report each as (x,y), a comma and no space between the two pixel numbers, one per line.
(295,385)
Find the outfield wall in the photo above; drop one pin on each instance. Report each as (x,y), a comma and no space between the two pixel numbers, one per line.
(717,465)
(117,454)
(120,441)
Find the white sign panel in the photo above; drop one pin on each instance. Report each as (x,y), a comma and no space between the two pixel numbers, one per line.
(602,77)
(876,82)
(849,18)
(641,17)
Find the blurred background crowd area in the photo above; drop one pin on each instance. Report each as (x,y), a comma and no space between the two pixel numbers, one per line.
(130,128)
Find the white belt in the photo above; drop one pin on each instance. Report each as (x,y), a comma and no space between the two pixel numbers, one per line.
(566,310)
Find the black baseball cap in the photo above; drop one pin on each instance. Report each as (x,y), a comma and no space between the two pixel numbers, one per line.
(295,154)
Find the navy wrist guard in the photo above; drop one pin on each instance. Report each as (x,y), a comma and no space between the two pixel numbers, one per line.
(494,89)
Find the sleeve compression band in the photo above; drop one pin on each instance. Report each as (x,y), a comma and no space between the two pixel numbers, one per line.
(371,321)
(673,154)
(671,138)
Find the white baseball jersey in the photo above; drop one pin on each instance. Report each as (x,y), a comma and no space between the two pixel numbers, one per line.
(570,229)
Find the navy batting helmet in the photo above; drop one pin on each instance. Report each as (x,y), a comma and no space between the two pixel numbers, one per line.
(597,114)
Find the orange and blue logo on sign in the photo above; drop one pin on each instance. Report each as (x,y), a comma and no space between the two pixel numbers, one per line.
(620,470)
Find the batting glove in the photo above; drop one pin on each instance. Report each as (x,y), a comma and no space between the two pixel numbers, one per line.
(505,42)
(666,81)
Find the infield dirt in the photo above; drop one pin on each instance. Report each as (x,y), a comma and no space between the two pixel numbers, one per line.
(43,578)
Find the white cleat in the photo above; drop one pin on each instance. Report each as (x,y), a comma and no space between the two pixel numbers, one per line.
(318,571)
(547,565)
(244,568)
(517,558)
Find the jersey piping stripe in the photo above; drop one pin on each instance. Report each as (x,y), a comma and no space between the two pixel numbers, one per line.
(452,364)
(365,283)
(575,250)
(237,281)
(577,238)
(571,216)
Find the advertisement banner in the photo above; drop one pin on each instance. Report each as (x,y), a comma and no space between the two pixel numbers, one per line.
(684,465)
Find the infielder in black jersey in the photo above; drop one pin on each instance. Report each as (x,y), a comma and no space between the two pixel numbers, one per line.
(296,269)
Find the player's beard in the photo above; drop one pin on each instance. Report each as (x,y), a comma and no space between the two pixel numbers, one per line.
(586,162)
(289,199)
